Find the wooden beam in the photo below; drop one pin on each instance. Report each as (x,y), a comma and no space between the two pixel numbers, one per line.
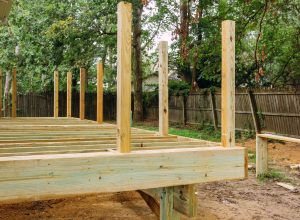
(279,137)
(254,112)
(14,93)
(69,94)
(56,93)
(82,94)
(100,92)
(261,156)
(213,110)
(151,202)
(228,84)
(1,88)
(47,176)
(163,88)
(124,77)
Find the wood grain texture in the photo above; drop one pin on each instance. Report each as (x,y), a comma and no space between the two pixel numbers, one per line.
(279,137)
(46,176)
(163,88)
(228,84)
(124,77)
(167,211)
(261,156)
(99,92)
(1,88)
(56,94)
(14,93)
(82,94)
(69,94)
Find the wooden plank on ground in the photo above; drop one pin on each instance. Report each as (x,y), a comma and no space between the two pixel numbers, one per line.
(228,84)
(163,88)
(47,176)
(100,92)
(124,77)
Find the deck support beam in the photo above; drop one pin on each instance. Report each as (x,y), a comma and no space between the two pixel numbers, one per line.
(69,94)
(228,84)
(124,77)
(56,93)
(261,156)
(100,92)
(82,93)
(163,88)
(14,93)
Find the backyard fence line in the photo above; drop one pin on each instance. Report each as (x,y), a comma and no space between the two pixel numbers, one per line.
(258,110)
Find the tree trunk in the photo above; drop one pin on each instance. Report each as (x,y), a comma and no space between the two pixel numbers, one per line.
(137,62)
(6,98)
(184,69)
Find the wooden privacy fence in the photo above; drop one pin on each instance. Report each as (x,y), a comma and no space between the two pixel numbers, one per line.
(265,110)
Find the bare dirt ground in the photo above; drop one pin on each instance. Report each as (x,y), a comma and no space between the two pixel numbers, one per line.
(246,199)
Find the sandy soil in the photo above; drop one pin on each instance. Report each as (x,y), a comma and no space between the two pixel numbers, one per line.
(246,199)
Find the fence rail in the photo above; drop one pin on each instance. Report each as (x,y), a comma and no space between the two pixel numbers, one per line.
(260,110)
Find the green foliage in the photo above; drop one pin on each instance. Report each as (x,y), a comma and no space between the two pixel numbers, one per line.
(272,175)
(177,87)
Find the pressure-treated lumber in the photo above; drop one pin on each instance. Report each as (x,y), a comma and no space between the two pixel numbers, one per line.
(99,92)
(1,83)
(14,93)
(163,88)
(261,156)
(69,94)
(46,176)
(124,77)
(228,84)
(82,94)
(167,211)
(279,137)
(56,93)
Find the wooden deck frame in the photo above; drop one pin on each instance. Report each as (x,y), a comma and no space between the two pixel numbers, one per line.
(43,158)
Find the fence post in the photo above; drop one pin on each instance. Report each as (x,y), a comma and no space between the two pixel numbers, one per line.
(82,94)
(124,77)
(69,94)
(254,112)
(14,93)
(99,92)
(56,91)
(228,84)
(213,109)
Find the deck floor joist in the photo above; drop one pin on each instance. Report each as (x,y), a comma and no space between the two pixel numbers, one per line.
(47,157)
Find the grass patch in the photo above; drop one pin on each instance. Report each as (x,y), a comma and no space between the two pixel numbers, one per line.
(251,156)
(204,133)
(273,175)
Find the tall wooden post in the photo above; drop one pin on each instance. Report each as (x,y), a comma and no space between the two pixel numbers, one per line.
(82,94)
(1,78)
(163,88)
(99,92)
(261,156)
(124,77)
(69,94)
(56,93)
(14,93)
(228,84)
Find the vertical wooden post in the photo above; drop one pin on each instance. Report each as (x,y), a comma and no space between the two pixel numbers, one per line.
(163,88)
(124,77)
(56,93)
(1,78)
(228,83)
(69,94)
(213,110)
(254,112)
(167,211)
(99,92)
(14,93)
(261,156)
(82,94)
